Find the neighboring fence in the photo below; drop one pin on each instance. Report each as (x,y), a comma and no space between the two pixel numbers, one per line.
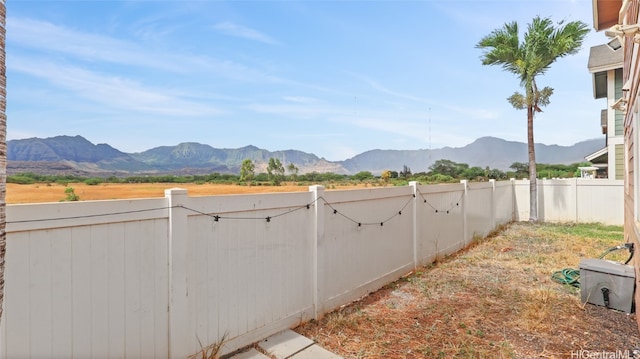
(157,277)
(573,200)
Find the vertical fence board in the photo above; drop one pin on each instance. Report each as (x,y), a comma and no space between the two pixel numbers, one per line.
(133,292)
(81,293)
(161,271)
(116,293)
(198,287)
(61,272)
(262,277)
(99,292)
(212,271)
(17,298)
(148,299)
(40,289)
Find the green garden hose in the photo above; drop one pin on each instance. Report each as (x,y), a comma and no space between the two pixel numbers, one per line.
(568,276)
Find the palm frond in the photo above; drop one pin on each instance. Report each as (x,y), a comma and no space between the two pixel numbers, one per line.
(542,44)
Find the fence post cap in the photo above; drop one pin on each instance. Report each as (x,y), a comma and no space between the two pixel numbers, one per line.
(175,190)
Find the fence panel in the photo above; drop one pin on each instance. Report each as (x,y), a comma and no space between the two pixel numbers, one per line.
(503,202)
(600,201)
(250,270)
(85,291)
(479,208)
(439,221)
(521,200)
(557,200)
(573,200)
(368,242)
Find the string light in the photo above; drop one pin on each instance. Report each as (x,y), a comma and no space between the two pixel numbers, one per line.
(218,217)
(448,210)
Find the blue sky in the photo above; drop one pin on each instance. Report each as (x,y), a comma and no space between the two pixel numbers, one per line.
(333,78)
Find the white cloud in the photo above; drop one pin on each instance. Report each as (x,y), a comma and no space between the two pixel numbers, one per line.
(79,46)
(474,113)
(236,30)
(339,151)
(111,91)
(41,35)
(300,99)
(377,86)
(390,124)
(292,110)
(479,113)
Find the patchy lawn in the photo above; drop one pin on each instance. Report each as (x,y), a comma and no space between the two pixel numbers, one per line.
(493,300)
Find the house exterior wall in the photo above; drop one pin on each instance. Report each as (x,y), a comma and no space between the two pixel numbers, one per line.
(612,119)
(618,124)
(631,78)
(619,160)
(615,125)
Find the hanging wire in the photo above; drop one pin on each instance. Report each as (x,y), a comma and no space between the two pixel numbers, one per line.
(447,211)
(360,223)
(91,215)
(217,217)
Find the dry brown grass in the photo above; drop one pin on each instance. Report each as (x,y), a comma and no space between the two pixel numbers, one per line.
(494,300)
(35,193)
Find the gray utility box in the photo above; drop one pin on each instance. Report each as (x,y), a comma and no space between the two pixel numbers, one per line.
(607,283)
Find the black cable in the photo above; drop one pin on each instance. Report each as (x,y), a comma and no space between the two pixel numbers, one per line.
(91,215)
(631,248)
(447,211)
(218,217)
(359,223)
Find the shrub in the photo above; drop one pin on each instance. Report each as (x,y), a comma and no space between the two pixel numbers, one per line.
(93,181)
(19,179)
(71,195)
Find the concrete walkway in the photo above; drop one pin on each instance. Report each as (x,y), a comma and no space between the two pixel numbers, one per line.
(287,345)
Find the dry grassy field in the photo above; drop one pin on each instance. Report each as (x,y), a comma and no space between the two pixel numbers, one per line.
(37,193)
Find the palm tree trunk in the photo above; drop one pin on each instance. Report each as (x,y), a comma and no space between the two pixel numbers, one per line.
(533,185)
(3,148)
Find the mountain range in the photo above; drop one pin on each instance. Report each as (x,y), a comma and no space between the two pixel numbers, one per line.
(76,155)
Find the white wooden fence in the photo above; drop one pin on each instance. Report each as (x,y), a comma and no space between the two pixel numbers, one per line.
(154,278)
(573,200)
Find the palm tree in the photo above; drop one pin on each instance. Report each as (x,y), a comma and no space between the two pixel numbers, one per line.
(543,44)
(3,147)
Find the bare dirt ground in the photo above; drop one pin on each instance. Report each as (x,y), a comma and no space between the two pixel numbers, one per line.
(495,300)
(35,193)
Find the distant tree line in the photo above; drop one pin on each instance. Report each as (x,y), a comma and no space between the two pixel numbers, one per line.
(441,171)
(444,170)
